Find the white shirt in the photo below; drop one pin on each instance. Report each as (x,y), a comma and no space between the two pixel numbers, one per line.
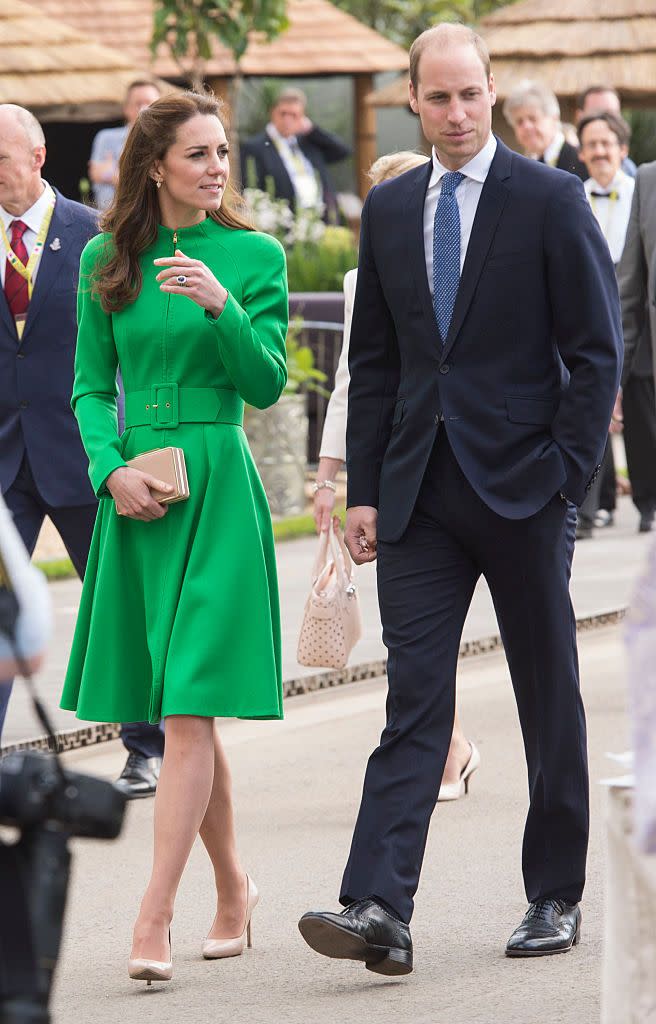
(552,152)
(467,195)
(300,170)
(612,213)
(33,218)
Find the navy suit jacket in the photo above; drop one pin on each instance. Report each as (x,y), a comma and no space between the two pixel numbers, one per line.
(36,375)
(320,147)
(527,377)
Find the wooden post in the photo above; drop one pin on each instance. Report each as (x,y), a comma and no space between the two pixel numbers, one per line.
(365,131)
(220,86)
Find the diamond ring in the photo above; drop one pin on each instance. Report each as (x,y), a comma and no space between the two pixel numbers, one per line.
(181,279)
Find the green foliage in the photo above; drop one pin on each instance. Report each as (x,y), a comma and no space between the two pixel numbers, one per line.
(643,134)
(403,20)
(188,28)
(320,267)
(302,374)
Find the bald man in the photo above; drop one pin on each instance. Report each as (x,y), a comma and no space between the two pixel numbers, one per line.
(43,466)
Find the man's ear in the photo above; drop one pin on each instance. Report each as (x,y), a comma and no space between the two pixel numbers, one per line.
(414,106)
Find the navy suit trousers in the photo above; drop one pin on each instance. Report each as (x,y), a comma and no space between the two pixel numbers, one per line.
(425,583)
(75,526)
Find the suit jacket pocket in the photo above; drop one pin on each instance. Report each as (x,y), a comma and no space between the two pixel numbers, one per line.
(534,411)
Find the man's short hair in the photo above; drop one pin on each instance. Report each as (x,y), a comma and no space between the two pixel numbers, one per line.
(28,123)
(442,36)
(616,124)
(593,90)
(141,83)
(290,95)
(529,93)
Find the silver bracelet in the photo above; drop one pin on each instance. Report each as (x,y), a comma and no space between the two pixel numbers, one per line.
(319,484)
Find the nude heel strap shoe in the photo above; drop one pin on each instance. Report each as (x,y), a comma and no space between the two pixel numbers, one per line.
(216,949)
(454,790)
(151,970)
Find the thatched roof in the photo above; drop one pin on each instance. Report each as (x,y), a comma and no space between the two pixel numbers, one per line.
(55,70)
(321,39)
(569,44)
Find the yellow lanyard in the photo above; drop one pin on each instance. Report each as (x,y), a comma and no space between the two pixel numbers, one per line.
(27,272)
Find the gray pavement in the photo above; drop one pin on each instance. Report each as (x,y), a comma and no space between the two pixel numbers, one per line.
(297,786)
(604,571)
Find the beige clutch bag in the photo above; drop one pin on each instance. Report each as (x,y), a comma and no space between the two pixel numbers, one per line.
(167,464)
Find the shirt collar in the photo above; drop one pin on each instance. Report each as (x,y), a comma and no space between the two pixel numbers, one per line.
(591,185)
(477,168)
(279,139)
(33,217)
(552,152)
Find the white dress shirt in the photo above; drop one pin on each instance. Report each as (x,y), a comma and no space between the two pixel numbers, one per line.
(33,218)
(552,152)
(301,172)
(612,209)
(467,195)
(333,438)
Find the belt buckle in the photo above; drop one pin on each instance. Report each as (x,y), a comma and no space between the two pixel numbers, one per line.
(164,406)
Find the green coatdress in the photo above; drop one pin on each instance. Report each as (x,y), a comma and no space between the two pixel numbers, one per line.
(181,615)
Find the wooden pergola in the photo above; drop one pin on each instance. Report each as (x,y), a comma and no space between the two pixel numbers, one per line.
(57,71)
(568,45)
(321,40)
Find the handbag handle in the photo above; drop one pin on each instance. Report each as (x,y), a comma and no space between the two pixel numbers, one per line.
(340,551)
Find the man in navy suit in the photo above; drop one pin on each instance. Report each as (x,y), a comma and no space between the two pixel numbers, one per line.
(43,466)
(292,155)
(485,359)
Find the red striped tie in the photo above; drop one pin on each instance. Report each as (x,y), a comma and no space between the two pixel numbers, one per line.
(16,289)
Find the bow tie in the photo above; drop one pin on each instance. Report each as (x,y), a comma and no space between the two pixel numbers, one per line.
(604,195)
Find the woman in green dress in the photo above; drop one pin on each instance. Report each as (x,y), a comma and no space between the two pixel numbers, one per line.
(179,615)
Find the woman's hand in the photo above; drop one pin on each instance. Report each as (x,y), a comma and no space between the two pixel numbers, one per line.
(200,284)
(130,489)
(324,497)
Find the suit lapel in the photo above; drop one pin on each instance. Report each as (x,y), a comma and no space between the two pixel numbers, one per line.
(416,252)
(490,205)
(7,319)
(52,261)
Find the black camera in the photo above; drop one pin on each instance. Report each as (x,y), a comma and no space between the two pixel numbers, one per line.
(33,791)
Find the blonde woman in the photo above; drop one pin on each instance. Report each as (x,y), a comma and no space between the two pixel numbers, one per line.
(463,758)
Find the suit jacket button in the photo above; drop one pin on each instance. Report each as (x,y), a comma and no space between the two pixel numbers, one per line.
(444,368)
(24,405)
(20,355)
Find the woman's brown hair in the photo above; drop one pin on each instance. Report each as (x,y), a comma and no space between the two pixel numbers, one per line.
(134,215)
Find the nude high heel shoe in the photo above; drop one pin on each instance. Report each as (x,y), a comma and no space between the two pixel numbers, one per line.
(216,949)
(151,970)
(454,790)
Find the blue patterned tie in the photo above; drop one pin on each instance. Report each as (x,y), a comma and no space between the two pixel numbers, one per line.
(446,252)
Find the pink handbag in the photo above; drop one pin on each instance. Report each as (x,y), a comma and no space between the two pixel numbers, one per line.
(332,621)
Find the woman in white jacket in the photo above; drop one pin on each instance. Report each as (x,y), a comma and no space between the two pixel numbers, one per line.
(463,758)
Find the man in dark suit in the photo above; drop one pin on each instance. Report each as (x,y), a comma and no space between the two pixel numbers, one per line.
(43,466)
(291,157)
(533,113)
(477,418)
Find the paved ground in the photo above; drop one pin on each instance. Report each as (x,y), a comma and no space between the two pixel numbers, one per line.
(297,787)
(604,571)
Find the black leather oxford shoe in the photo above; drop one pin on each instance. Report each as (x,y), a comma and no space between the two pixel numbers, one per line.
(364,931)
(139,777)
(549,926)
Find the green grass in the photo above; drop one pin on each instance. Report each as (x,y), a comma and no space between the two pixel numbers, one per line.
(283,529)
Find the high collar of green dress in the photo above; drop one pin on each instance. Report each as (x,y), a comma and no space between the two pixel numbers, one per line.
(195,231)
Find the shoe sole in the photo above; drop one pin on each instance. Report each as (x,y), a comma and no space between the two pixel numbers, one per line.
(518,953)
(341,944)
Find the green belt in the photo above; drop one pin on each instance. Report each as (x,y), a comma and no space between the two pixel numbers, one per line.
(164,406)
